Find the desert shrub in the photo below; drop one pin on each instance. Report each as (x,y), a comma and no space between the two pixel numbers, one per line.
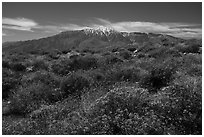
(88,51)
(61,67)
(27,99)
(115,49)
(18,67)
(9,82)
(132,49)
(190,48)
(159,76)
(74,83)
(85,62)
(164,52)
(194,70)
(5,64)
(123,111)
(112,59)
(74,64)
(141,55)
(16,126)
(66,51)
(39,64)
(191,59)
(98,76)
(53,55)
(147,48)
(181,105)
(31,97)
(42,76)
(47,119)
(125,54)
(125,73)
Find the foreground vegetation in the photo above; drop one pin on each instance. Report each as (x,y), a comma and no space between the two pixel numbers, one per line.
(120,91)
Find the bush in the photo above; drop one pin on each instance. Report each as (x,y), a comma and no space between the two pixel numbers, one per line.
(66,51)
(18,67)
(61,67)
(125,73)
(85,63)
(132,49)
(39,64)
(29,98)
(124,111)
(141,55)
(5,64)
(181,105)
(9,82)
(74,83)
(65,66)
(191,48)
(164,52)
(159,77)
(97,75)
(44,77)
(112,59)
(125,54)
(194,70)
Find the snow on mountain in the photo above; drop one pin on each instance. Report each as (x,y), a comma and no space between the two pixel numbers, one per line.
(101,30)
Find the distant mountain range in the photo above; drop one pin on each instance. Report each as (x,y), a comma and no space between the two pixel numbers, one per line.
(91,39)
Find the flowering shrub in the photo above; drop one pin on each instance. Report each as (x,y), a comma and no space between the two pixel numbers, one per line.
(179,105)
(29,98)
(74,83)
(124,111)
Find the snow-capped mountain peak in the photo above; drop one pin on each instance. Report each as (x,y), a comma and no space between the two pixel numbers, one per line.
(101,30)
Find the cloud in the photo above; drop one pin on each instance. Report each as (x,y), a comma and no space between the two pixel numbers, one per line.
(59,28)
(184,30)
(22,24)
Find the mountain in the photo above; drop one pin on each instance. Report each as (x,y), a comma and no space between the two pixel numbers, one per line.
(89,39)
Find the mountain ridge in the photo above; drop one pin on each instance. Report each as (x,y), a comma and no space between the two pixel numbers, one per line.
(88,38)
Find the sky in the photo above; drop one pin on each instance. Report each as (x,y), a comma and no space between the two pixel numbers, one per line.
(24,21)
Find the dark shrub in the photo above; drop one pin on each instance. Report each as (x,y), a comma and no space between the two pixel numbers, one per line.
(112,59)
(54,55)
(44,77)
(75,63)
(125,73)
(18,67)
(97,75)
(132,49)
(65,51)
(159,77)
(125,54)
(74,83)
(9,82)
(88,62)
(5,64)
(39,64)
(29,98)
(88,51)
(115,50)
(164,52)
(61,67)
(141,55)
(181,105)
(190,48)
